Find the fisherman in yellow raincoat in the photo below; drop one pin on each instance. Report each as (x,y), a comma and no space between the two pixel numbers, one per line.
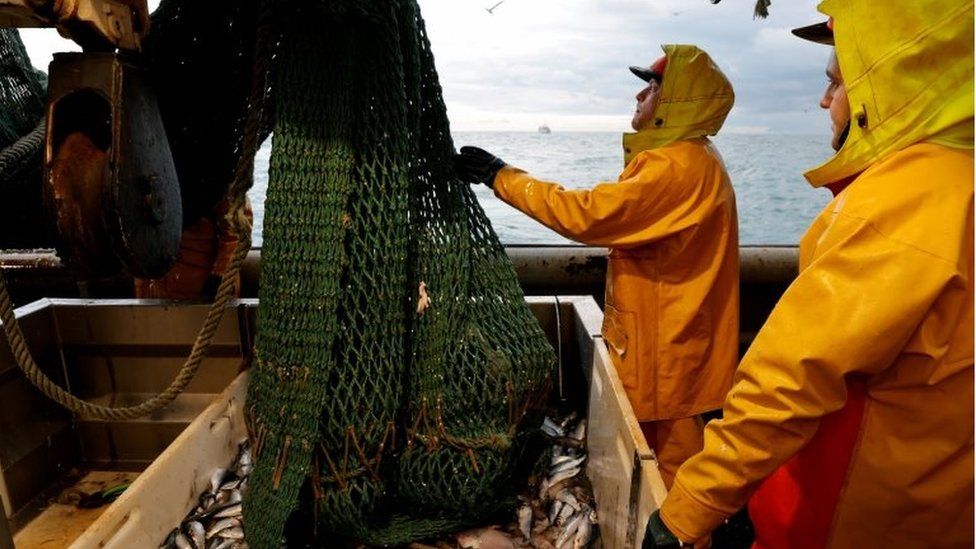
(672,299)
(850,423)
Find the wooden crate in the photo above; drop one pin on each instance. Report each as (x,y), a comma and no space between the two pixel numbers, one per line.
(620,466)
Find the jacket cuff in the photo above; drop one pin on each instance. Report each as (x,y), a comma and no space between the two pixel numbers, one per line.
(505,179)
(688,519)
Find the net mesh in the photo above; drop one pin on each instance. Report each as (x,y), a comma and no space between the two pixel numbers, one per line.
(22,95)
(395,357)
(21,90)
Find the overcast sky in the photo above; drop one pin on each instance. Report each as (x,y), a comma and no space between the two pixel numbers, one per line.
(564,62)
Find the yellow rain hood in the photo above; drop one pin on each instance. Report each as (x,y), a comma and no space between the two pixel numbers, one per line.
(908,67)
(695,99)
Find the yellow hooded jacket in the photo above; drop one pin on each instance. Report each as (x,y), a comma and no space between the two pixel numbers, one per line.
(672,298)
(851,419)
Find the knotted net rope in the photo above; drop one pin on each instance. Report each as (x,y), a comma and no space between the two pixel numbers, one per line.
(395,355)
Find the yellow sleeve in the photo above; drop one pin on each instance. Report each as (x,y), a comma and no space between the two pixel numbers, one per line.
(852,310)
(657,201)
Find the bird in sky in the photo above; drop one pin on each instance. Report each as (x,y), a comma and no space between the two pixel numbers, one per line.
(762,8)
(491,10)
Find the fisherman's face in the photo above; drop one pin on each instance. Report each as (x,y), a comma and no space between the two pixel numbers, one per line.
(647,100)
(835,101)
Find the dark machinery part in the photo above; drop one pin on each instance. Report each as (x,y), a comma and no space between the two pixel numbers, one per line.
(207,44)
(93,24)
(110,185)
(201,56)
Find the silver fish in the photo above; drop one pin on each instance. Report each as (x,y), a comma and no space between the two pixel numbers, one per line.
(232,511)
(220,543)
(552,429)
(568,419)
(557,506)
(183,542)
(228,497)
(569,532)
(567,498)
(216,479)
(243,452)
(233,533)
(564,514)
(197,533)
(570,442)
(559,460)
(206,501)
(580,432)
(525,521)
(245,459)
(583,533)
(562,475)
(567,465)
(225,497)
(221,526)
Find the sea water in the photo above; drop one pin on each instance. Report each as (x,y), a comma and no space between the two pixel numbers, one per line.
(775,202)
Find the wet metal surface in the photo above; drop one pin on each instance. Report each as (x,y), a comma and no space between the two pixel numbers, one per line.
(110,183)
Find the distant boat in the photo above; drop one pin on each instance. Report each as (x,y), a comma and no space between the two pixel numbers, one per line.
(544,129)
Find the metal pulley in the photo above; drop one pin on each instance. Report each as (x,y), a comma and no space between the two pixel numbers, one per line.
(110,185)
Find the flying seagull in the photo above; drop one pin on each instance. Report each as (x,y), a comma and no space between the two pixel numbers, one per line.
(491,10)
(762,8)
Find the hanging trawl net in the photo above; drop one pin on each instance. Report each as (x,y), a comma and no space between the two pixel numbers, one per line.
(395,356)
(396,359)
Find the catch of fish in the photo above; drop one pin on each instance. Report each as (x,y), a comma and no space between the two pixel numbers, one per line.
(557,511)
(216,521)
(563,515)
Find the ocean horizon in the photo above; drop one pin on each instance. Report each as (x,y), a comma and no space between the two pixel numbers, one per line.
(775,203)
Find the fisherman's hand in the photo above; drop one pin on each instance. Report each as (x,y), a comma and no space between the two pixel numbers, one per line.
(657,535)
(477,165)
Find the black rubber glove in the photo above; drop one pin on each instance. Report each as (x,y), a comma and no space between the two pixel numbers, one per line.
(657,535)
(477,165)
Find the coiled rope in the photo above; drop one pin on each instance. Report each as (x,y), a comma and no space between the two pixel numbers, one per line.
(53,391)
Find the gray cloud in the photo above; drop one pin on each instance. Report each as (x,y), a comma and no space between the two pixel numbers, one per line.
(558,58)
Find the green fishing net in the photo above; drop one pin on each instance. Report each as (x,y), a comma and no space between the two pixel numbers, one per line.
(395,356)
(395,359)
(22,96)
(21,90)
